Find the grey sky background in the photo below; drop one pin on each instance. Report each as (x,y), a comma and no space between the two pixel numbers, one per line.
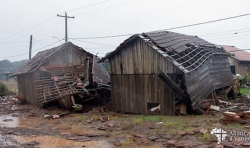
(22,18)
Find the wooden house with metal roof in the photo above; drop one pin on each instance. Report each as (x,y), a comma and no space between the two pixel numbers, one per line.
(192,69)
(239,60)
(52,74)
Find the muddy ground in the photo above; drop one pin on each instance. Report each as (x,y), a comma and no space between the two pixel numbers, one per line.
(25,126)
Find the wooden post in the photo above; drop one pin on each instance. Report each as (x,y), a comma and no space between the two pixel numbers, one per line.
(172,85)
(73,100)
(30,49)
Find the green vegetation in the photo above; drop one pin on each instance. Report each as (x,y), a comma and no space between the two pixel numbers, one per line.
(77,119)
(244,91)
(128,141)
(204,137)
(3,89)
(139,120)
(153,117)
(6,65)
(208,122)
(175,125)
(77,107)
(80,118)
(244,79)
(237,125)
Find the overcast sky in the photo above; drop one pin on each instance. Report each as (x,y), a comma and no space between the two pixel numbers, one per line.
(22,18)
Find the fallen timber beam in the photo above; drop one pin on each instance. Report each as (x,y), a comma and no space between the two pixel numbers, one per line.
(163,76)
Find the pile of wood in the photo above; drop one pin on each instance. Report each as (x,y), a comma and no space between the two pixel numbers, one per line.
(69,85)
(231,116)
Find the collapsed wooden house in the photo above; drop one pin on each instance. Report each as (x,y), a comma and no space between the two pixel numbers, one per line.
(192,69)
(59,74)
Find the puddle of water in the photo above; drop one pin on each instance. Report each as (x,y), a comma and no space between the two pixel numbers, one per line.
(13,122)
(56,142)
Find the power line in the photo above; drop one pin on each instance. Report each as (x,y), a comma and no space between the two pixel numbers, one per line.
(247,35)
(27,29)
(51,18)
(185,26)
(226,32)
(107,45)
(13,42)
(107,7)
(40,30)
(28,52)
(87,6)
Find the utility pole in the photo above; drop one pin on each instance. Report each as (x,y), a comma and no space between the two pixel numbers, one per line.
(66,28)
(30,47)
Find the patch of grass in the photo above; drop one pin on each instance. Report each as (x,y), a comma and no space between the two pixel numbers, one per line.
(96,117)
(237,125)
(244,91)
(128,141)
(175,125)
(80,118)
(77,119)
(139,120)
(204,137)
(189,129)
(172,131)
(115,118)
(155,131)
(70,123)
(153,118)
(208,122)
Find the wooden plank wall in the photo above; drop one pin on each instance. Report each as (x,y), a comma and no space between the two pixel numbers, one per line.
(134,80)
(26,88)
(131,93)
(214,73)
(69,55)
(139,58)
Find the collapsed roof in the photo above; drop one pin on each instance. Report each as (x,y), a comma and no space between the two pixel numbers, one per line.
(205,65)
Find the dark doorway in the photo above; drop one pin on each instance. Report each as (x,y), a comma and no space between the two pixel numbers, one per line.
(232,67)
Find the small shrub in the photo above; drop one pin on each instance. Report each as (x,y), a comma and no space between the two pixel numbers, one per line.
(3,89)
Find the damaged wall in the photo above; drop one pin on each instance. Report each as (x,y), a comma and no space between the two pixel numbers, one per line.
(59,74)
(134,80)
(191,66)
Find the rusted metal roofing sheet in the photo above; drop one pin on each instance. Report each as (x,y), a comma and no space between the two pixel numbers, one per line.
(237,53)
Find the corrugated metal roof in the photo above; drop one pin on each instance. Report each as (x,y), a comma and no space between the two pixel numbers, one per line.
(185,51)
(237,53)
(204,64)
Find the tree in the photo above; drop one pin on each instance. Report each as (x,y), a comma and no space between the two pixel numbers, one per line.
(3,89)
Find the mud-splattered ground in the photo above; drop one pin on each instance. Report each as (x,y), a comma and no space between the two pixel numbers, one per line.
(25,126)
